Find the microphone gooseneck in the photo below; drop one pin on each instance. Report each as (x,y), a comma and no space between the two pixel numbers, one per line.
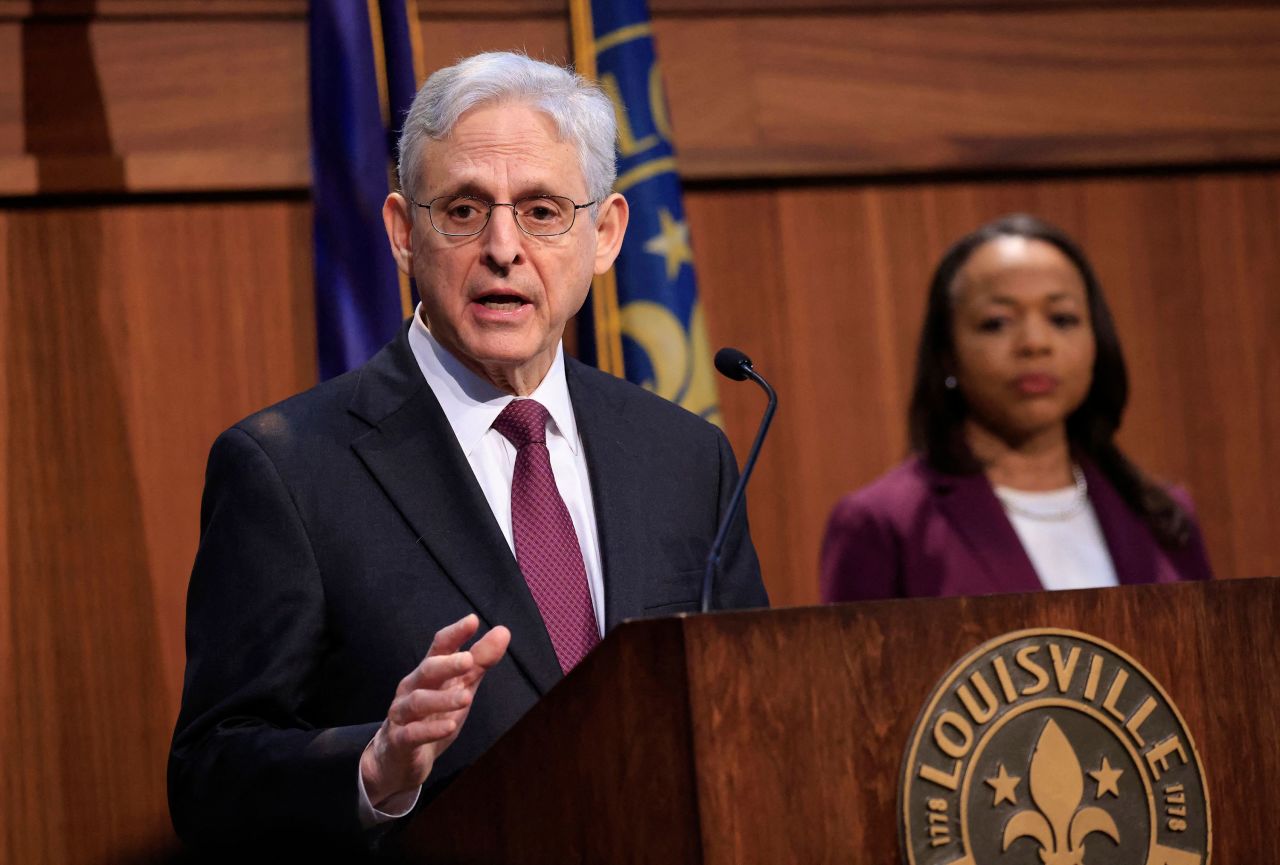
(735,365)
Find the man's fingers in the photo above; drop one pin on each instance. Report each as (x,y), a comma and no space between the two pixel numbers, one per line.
(440,670)
(490,649)
(435,672)
(451,637)
(419,733)
(426,732)
(417,705)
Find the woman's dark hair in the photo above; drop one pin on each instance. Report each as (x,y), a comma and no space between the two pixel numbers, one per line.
(937,413)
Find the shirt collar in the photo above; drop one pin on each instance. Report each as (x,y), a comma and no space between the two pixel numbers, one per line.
(471,403)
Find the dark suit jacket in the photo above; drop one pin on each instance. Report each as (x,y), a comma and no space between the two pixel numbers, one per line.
(919,533)
(342,527)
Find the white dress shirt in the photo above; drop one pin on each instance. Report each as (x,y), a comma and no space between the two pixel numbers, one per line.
(1066,553)
(471,404)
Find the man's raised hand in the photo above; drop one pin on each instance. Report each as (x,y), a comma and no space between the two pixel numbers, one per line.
(429,708)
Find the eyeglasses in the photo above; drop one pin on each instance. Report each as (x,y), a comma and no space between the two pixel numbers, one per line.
(537,215)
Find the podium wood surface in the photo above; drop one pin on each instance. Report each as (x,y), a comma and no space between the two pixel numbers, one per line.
(778,736)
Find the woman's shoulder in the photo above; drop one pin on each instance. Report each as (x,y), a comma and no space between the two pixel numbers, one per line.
(1182,496)
(868,534)
(896,494)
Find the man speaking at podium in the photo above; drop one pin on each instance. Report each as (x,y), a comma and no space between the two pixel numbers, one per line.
(468,481)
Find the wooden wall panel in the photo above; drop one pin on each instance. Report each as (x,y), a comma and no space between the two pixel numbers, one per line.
(12,136)
(825,288)
(133,334)
(446,40)
(153,105)
(797,95)
(90,704)
(505,9)
(172,9)
(8,694)
(217,99)
(1232,431)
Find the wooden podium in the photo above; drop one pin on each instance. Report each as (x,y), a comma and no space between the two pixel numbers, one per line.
(779,736)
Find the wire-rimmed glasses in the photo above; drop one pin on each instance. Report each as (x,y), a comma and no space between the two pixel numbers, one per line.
(467,215)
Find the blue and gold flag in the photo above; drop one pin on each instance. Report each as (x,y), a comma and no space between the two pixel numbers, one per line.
(362,82)
(658,319)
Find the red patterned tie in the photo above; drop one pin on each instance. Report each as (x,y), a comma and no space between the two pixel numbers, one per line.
(546,543)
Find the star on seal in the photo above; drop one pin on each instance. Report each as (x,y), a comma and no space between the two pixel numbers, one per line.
(1004,784)
(1107,778)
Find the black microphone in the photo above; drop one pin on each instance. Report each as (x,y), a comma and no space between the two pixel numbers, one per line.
(735,365)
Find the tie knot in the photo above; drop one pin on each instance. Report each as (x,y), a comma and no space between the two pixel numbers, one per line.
(522,422)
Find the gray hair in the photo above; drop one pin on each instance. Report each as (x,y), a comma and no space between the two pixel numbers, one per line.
(581,111)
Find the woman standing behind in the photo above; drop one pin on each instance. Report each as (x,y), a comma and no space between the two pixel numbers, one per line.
(1016,482)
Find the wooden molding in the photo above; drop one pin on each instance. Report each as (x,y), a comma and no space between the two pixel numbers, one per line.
(170,9)
(105,9)
(161,104)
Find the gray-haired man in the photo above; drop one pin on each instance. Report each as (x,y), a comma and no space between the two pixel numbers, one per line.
(357,536)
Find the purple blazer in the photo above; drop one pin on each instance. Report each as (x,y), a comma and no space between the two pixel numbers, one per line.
(916,532)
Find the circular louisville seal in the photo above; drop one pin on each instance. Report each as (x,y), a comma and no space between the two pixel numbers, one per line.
(1052,747)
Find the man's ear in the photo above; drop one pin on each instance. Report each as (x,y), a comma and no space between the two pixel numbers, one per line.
(611,225)
(396,218)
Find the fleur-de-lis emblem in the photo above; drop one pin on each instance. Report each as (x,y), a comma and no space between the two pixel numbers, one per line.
(1058,823)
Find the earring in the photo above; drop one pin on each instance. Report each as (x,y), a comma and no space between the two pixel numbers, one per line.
(949,382)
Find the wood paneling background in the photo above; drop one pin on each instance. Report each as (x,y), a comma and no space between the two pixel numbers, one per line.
(155,285)
(142,99)
(133,333)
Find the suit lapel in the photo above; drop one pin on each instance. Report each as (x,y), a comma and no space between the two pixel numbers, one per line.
(1133,551)
(615,479)
(969,503)
(412,452)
